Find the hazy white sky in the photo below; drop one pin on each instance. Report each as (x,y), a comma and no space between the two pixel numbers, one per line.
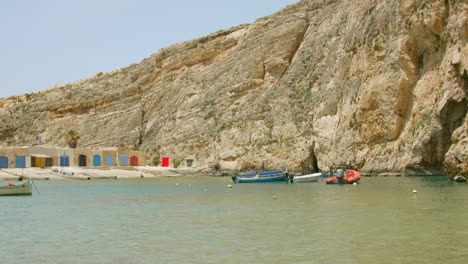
(49,42)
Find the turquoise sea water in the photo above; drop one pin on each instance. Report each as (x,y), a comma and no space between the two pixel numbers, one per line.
(200,220)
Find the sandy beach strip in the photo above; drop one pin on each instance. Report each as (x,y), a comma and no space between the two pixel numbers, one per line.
(89,173)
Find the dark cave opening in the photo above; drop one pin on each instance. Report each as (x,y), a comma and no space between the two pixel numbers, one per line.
(310,164)
(451,117)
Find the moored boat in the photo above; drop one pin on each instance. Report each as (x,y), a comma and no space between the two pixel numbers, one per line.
(326,175)
(271,176)
(350,177)
(17,189)
(308,177)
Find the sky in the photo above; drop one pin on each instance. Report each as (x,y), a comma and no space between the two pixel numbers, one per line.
(50,42)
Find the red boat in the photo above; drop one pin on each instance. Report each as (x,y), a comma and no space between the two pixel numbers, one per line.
(350,177)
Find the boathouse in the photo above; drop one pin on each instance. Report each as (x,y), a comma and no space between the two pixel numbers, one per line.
(48,156)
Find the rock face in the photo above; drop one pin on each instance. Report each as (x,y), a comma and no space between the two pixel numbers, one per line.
(377,85)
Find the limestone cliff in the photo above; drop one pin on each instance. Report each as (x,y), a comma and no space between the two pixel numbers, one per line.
(378,85)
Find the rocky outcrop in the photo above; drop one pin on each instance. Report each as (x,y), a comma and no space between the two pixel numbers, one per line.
(380,86)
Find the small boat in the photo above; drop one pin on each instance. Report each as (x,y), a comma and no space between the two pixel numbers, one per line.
(326,175)
(350,177)
(17,189)
(271,176)
(459,178)
(308,178)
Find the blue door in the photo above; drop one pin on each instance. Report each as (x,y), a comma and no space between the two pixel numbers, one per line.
(123,160)
(96,160)
(20,162)
(82,161)
(109,161)
(3,162)
(64,161)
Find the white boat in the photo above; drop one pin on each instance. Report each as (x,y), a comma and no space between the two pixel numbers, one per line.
(308,177)
(17,188)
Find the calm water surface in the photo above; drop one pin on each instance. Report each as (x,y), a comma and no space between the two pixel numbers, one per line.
(200,220)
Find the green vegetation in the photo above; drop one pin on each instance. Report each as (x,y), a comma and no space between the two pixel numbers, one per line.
(176,163)
(156,160)
(150,69)
(299,118)
(72,137)
(269,120)
(135,76)
(422,123)
(209,113)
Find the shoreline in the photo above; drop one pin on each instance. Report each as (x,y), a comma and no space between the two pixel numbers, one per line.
(90,173)
(86,173)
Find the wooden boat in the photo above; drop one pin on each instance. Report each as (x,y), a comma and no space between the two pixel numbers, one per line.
(17,189)
(308,177)
(271,176)
(350,177)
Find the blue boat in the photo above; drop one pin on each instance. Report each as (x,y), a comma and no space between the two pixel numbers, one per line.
(270,176)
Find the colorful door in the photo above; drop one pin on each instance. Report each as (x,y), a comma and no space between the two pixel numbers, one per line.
(97,160)
(109,161)
(134,161)
(20,162)
(165,162)
(123,160)
(64,161)
(48,162)
(82,160)
(34,162)
(3,162)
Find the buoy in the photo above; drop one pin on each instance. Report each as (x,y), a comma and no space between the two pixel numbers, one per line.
(274,197)
(229,186)
(354,183)
(414,191)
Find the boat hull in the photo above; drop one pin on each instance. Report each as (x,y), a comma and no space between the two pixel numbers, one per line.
(261,177)
(350,177)
(308,178)
(17,189)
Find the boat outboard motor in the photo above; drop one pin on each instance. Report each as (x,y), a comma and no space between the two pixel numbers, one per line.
(234,178)
(339,175)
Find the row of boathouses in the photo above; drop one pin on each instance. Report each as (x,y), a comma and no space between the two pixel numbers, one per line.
(48,156)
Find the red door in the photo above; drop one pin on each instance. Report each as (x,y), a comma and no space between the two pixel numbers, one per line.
(165,162)
(134,161)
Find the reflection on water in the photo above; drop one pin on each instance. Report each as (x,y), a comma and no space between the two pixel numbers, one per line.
(200,220)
